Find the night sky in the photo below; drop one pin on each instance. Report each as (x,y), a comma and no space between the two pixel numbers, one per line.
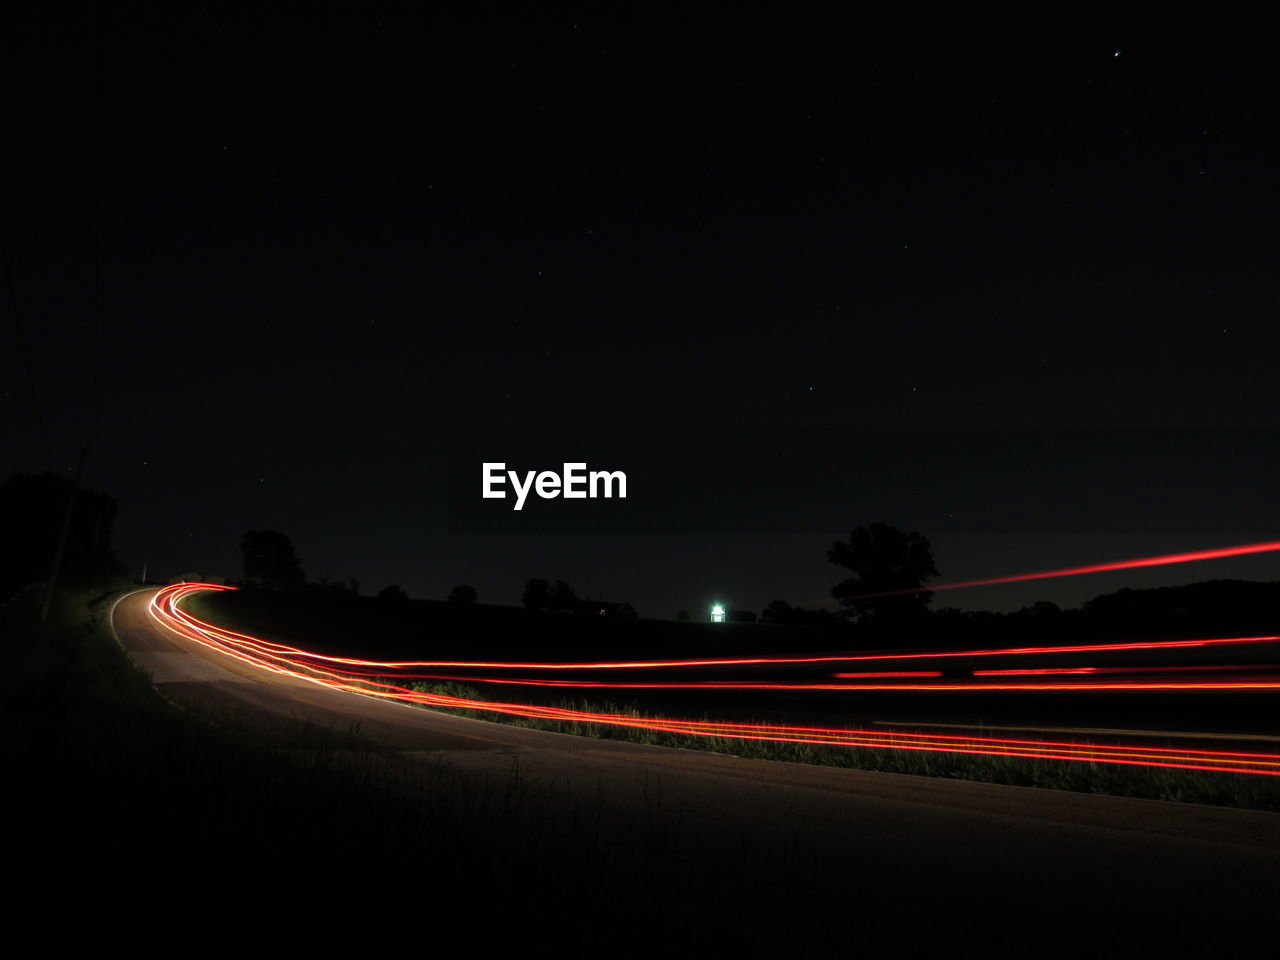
(1018,295)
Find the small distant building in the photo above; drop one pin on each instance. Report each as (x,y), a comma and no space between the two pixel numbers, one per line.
(720,615)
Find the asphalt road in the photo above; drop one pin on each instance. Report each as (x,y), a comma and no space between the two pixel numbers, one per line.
(996,857)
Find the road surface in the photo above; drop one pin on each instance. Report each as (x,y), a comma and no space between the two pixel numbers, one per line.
(996,855)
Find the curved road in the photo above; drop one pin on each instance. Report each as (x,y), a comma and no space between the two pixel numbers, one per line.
(1009,856)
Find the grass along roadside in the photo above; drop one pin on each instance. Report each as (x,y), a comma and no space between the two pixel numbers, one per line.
(1151,783)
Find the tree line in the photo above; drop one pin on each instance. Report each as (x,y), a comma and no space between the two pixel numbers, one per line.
(884,598)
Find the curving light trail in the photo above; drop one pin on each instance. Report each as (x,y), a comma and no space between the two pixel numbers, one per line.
(285,660)
(381,666)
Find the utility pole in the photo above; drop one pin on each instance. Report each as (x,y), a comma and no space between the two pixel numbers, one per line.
(62,540)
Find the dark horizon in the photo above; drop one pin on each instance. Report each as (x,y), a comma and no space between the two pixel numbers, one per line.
(263,270)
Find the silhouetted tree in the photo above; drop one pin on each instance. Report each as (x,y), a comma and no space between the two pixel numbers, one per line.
(269,561)
(32,511)
(1041,610)
(463,595)
(1238,606)
(563,597)
(682,614)
(778,611)
(392,594)
(537,595)
(884,559)
(781,612)
(335,588)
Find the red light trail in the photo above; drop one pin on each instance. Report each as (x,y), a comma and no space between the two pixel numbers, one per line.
(286,660)
(1157,561)
(267,646)
(1260,684)
(1053,671)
